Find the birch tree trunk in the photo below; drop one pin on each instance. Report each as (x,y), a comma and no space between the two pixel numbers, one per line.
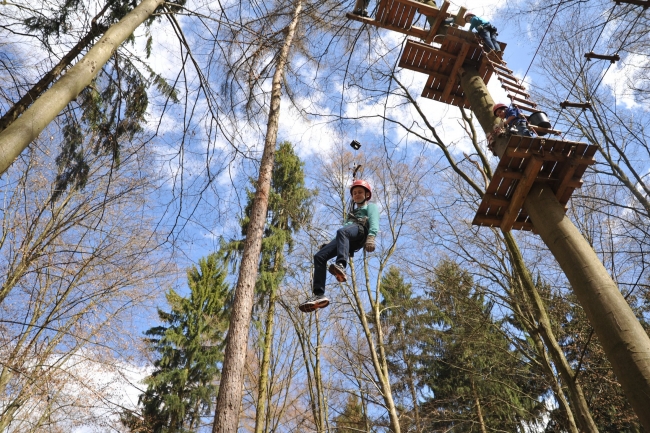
(227,410)
(17,136)
(623,338)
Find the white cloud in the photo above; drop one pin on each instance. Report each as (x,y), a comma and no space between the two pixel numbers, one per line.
(615,79)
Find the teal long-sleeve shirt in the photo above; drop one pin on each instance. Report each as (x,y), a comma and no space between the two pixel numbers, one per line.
(477,21)
(371,211)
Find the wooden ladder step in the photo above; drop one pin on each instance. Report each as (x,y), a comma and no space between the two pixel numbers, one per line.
(523,101)
(515,90)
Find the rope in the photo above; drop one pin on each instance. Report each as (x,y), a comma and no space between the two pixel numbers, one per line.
(582,67)
(591,92)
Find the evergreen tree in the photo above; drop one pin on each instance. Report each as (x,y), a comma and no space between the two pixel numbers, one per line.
(610,409)
(190,345)
(479,383)
(288,212)
(403,317)
(352,419)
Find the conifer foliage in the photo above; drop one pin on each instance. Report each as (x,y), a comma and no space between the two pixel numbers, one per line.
(478,382)
(190,345)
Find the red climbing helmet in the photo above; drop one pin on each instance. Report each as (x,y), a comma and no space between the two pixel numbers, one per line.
(469,14)
(364,184)
(496,107)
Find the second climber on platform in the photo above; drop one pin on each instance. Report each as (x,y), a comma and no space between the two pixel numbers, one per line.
(359,231)
(512,117)
(485,30)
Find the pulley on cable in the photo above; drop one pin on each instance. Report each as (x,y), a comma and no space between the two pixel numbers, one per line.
(355,167)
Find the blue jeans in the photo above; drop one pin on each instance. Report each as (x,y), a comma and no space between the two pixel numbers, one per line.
(489,39)
(350,237)
(522,129)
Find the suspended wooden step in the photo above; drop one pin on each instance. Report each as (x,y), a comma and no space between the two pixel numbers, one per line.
(644,3)
(526,161)
(583,105)
(613,58)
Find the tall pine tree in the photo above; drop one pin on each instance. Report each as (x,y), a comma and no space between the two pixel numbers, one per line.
(190,345)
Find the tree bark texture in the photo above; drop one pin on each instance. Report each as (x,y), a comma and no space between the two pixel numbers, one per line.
(625,342)
(226,419)
(17,136)
(623,338)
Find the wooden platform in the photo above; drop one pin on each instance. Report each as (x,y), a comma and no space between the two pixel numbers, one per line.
(399,15)
(458,48)
(525,162)
(441,62)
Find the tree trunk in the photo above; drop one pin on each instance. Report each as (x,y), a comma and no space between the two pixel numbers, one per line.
(623,338)
(17,136)
(555,385)
(414,396)
(377,352)
(482,104)
(625,342)
(226,417)
(479,412)
(19,107)
(264,366)
(577,397)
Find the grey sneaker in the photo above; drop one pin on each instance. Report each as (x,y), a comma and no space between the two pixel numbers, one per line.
(338,271)
(314,303)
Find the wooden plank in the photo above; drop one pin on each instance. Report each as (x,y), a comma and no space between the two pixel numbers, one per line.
(496,200)
(435,84)
(452,76)
(420,55)
(383,10)
(515,84)
(394,14)
(427,10)
(523,101)
(436,75)
(511,80)
(502,68)
(404,16)
(515,90)
(436,61)
(412,12)
(464,36)
(437,23)
(548,156)
(582,168)
(506,186)
(413,31)
(495,221)
(529,109)
(520,193)
(565,176)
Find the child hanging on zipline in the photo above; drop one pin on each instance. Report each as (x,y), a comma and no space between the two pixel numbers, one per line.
(512,117)
(485,30)
(359,230)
